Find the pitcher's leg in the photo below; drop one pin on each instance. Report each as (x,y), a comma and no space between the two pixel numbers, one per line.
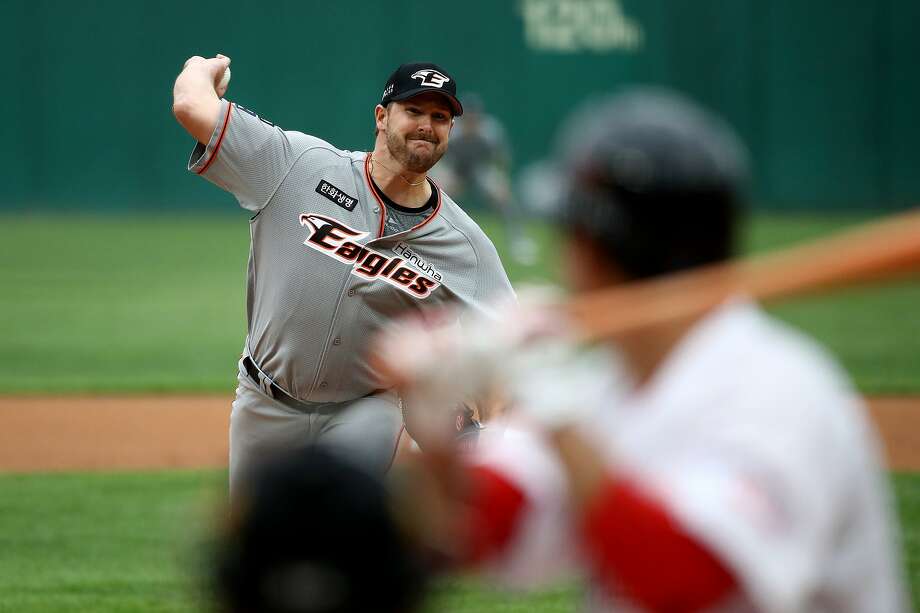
(259,428)
(367,430)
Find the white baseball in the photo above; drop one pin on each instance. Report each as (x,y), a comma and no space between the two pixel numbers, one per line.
(224,80)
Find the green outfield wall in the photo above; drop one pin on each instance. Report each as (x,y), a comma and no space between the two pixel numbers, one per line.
(825,92)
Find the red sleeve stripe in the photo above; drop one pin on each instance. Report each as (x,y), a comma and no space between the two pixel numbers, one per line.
(493,512)
(220,139)
(637,548)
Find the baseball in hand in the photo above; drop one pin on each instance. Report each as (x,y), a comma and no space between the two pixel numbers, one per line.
(224,80)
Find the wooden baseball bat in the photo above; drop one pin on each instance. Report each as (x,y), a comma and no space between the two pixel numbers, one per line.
(869,252)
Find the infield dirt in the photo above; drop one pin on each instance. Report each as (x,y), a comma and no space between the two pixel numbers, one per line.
(63,433)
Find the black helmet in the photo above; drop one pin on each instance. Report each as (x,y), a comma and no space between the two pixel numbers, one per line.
(315,534)
(652,178)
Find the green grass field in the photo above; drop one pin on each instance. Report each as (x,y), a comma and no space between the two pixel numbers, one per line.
(131,542)
(152,303)
(141,304)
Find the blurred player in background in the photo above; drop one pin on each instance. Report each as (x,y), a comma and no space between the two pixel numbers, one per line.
(717,463)
(313,533)
(478,166)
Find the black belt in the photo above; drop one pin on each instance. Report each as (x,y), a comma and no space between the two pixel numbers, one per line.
(282,396)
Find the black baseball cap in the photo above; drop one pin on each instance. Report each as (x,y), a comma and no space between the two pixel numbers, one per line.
(418,78)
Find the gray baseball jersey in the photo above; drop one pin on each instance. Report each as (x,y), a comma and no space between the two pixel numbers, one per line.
(322,276)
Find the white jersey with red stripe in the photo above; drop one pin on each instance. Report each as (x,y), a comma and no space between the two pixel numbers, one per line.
(323,277)
(752,440)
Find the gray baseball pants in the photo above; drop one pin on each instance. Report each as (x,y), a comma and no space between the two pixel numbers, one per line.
(366,429)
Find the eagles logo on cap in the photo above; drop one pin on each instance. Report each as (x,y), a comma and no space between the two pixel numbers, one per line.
(418,78)
(430,78)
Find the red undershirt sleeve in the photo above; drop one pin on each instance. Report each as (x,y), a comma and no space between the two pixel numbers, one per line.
(494,507)
(635,547)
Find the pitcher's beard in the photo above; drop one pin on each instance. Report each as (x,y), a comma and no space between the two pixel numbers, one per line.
(412,161)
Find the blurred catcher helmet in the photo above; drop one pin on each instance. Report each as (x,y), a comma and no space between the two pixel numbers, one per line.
(653,179)
(315,534)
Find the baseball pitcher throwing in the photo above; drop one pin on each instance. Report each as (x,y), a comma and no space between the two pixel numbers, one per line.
(341,243)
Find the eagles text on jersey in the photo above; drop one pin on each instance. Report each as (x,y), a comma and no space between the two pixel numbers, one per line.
(331,237)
